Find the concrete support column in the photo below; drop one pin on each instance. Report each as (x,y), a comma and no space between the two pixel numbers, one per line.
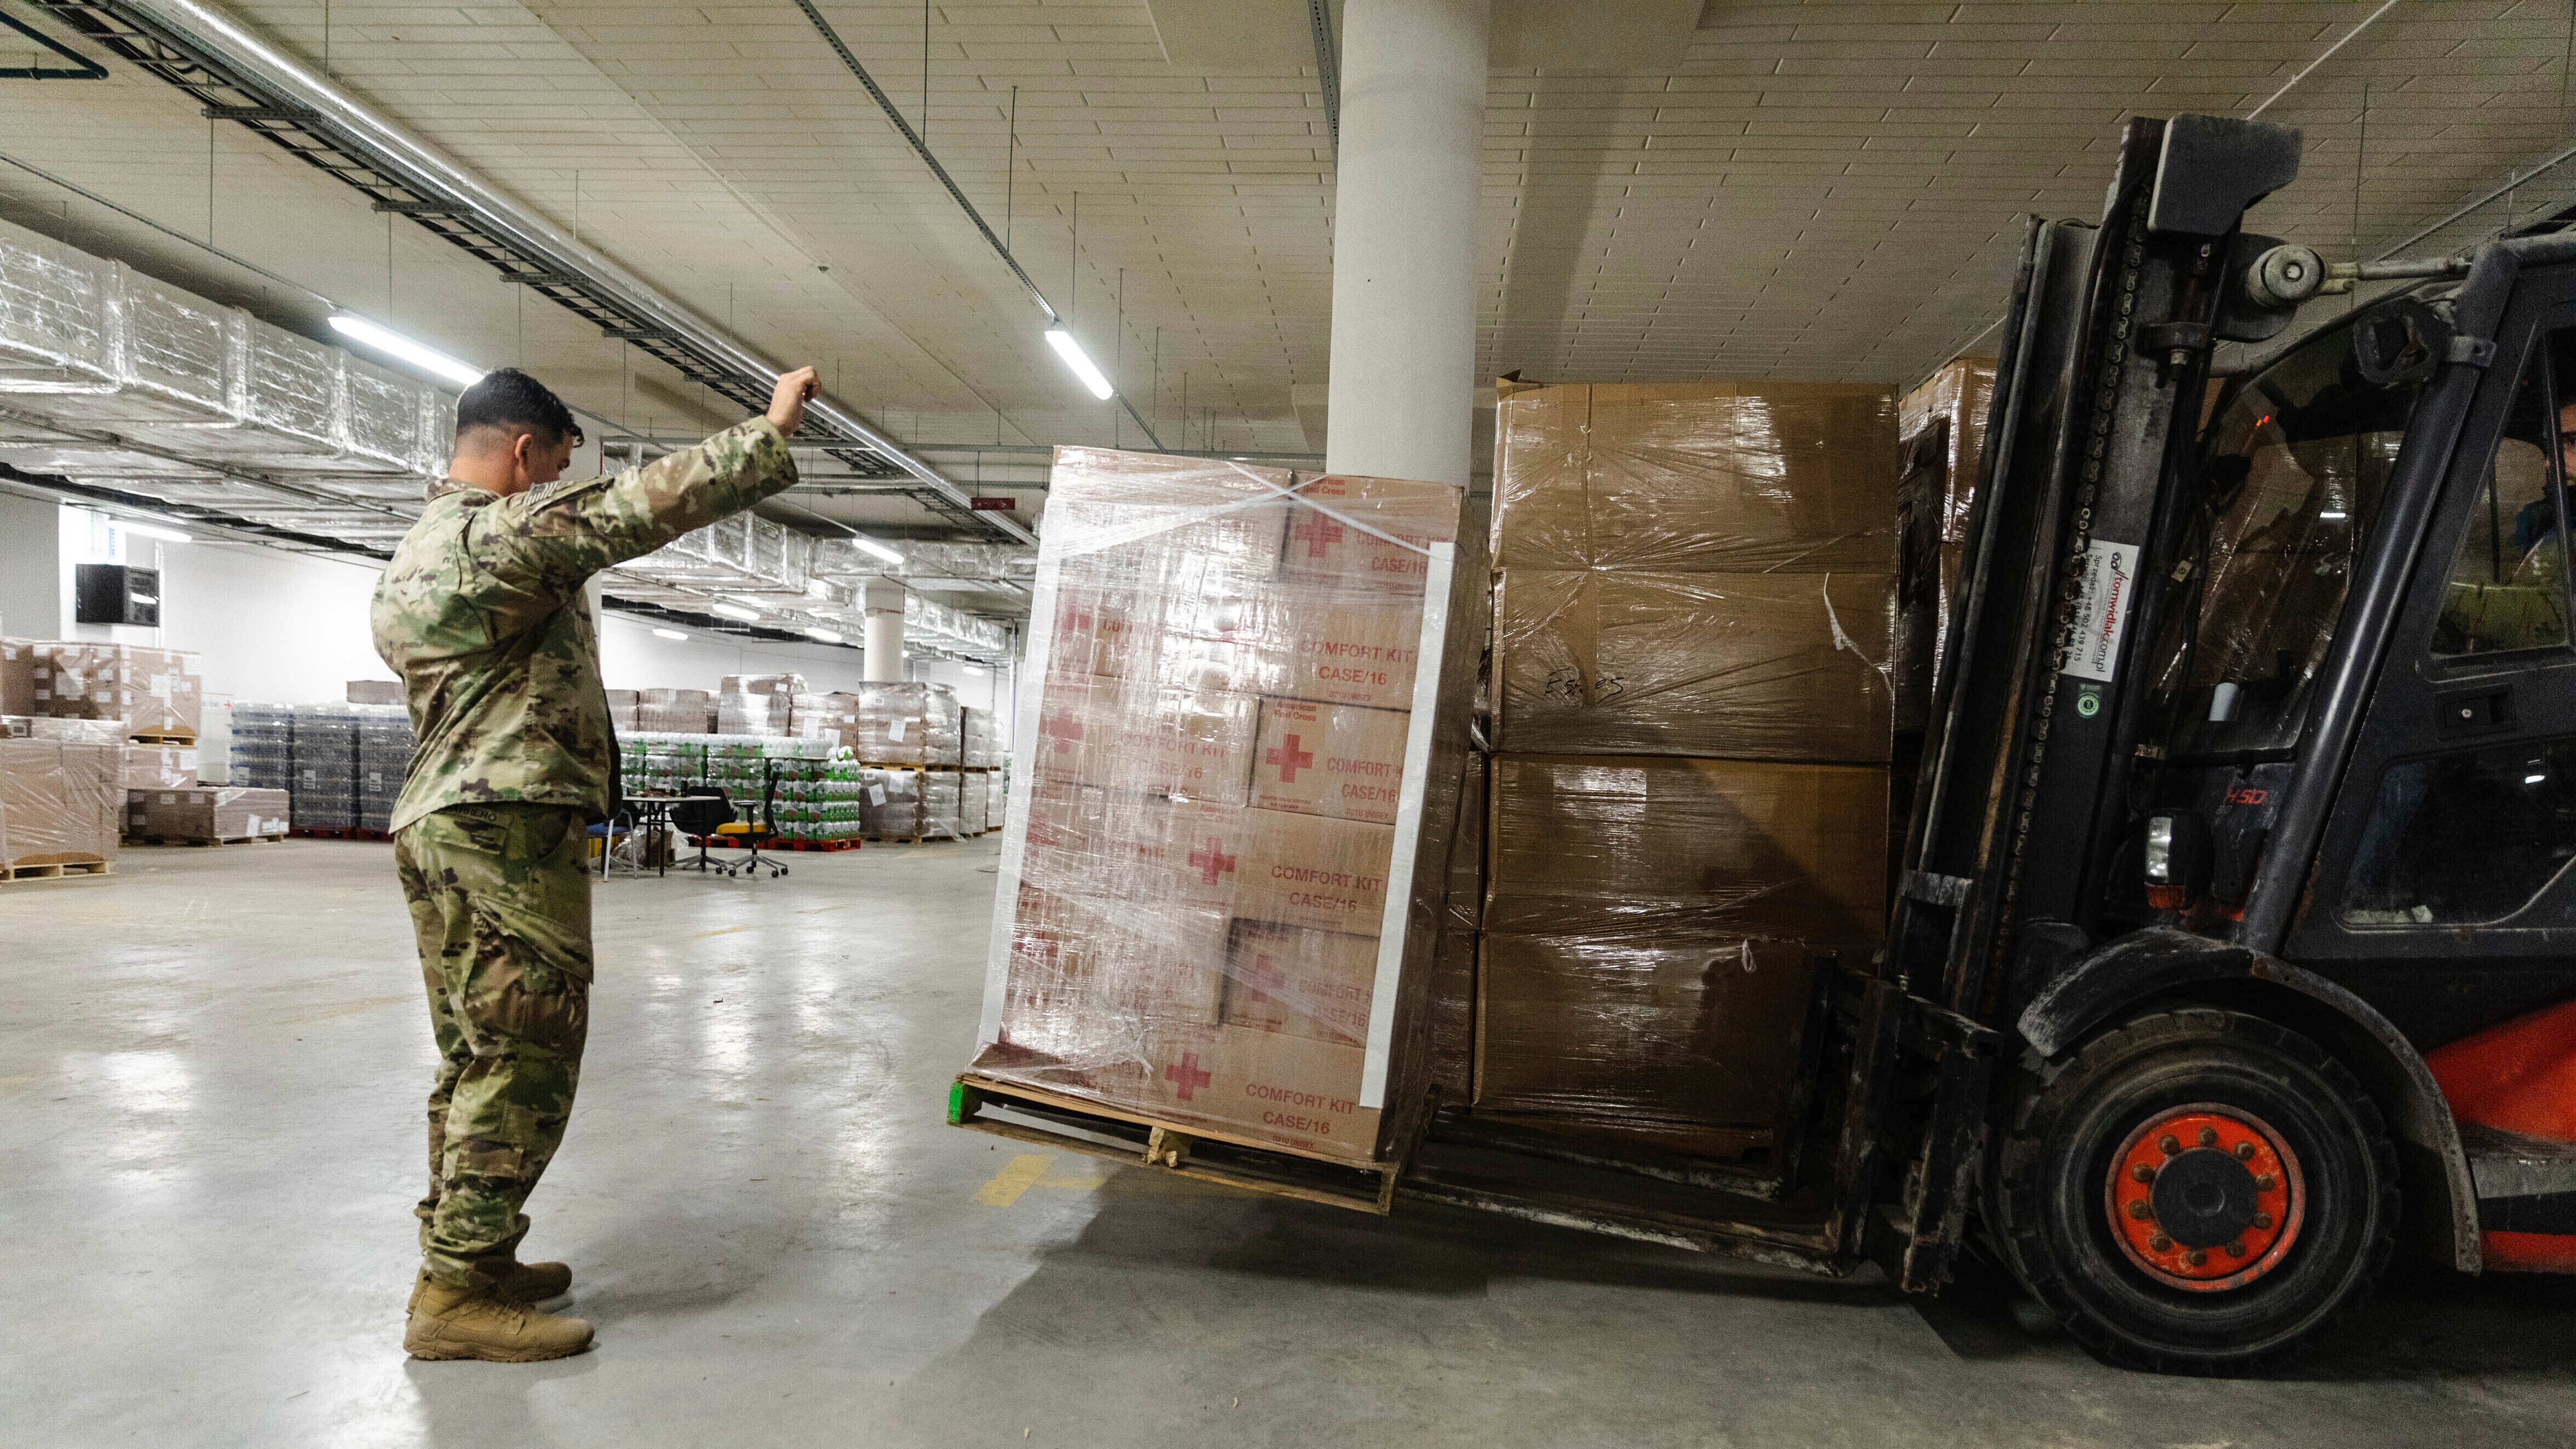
(882,642)
(1402,399)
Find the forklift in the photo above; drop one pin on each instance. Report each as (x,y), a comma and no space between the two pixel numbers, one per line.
(2232,933)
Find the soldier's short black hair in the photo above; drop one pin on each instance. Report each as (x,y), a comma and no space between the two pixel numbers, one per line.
(509,398)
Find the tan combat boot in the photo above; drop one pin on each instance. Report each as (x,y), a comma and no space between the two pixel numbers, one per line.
(449,1322)
(524,1283)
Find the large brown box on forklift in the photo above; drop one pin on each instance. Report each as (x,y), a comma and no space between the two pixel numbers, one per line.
(1651,931)
(1711,477)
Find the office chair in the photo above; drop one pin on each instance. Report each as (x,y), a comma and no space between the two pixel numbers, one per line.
(706,811)
(755,833)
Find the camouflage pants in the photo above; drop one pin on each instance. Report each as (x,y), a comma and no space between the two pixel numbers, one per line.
(500,900)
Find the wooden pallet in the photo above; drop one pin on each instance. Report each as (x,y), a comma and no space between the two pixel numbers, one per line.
(190,840)
(1206,1153)
(60,870)
(163,737)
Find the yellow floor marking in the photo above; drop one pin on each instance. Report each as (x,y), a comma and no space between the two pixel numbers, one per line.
(727,931)
(1026,1171)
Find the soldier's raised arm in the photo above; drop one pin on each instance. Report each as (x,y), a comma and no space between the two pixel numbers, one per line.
(551,542)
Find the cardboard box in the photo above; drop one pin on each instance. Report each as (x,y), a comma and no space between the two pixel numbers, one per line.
(60,802)
(154,691)
(206,813)
(1088,976)
(1367,536)
(1720,477)
(1324,759)
(675,711)
(1153,575)
(780,684)
(1302,982)
(1453,969)
(1681,1028)
(907,723)
(18,677)
(1782,666)
(157,767)
(1133,736)
(1593,843)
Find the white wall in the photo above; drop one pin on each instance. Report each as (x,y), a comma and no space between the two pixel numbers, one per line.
(30,568)
(293,628)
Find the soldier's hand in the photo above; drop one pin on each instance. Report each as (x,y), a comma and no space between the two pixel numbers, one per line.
(787,400)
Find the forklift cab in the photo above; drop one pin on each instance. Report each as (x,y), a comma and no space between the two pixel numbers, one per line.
(2235,894)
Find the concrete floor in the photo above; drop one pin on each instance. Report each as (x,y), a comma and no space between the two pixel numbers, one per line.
(211,1068)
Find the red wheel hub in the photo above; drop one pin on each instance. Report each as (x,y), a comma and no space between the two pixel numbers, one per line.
(2205,1198)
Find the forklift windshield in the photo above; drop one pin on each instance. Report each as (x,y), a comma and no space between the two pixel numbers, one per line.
(2292,462)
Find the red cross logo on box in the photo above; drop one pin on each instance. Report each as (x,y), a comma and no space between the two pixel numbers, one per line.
(1062,728)
(1077,619)
(1212,861)
(1266,977)
(1187,1075)
(1289,759)
(1319,532)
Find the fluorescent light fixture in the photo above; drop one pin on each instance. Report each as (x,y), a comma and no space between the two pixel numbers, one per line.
(826,635)
(156,598)
(669,634)
(2534,779)
(736,611)
(2333,517)
(974,669)
(865,544)
(1080,361)
(427,359)
(150,530)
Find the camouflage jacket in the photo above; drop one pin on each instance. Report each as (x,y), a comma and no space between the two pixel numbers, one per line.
(481,615)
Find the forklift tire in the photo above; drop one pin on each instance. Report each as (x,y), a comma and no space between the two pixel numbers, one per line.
(2196,1192)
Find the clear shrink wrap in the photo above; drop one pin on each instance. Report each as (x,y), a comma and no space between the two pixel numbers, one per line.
(1784,666)
(908,724)
(156,767)
(1716,477)
(231,812)
(890,803)
(789,684)
(263,745)
(1453,974)
(1197,924)
(981,749)
(675,711)
(324,795)
(60,802)
(155,691)
(1943,423)
(384,745)
(753,714)
(1651,928)
(18,676)
(974,802)
(943,804)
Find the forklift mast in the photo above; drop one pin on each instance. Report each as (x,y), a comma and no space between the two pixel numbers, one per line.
(2035,720)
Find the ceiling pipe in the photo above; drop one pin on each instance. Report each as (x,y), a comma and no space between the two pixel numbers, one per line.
(429,172)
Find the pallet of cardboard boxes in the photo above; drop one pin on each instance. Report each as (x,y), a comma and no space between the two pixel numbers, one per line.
(81,722)
(1693,593)
(1227,849)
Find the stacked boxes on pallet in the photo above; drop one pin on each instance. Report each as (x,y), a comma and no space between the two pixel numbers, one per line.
(384,744)
(228,812)
(263,746)
(674,711)
(1693,594)
(156,692)
(818,795)
(974,802)
(60,804)
(981,749)
(324,792)
(1223,871)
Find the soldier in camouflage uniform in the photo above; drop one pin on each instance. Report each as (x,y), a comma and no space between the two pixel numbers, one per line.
(482,615)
